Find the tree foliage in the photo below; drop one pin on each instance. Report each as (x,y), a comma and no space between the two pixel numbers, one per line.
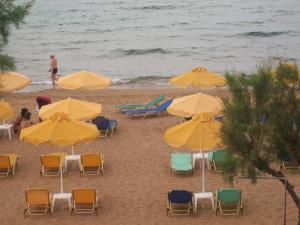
(10,14)
(262,121)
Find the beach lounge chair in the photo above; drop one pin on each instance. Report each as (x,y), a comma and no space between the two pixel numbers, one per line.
(180,202)
(151,104)
(144,112)
(182,162)
(37,201)
(92,164)
(288,164)
(105,126)
(218,159)
(52,164)
(84,200)
(8,163)
(229,201)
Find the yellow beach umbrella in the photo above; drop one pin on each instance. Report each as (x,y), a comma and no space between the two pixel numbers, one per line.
(6,110)
(75,109)
(199,133)
(84,80)
(199,77)
(11,81)
(191,105)
(59,130)
(202,133)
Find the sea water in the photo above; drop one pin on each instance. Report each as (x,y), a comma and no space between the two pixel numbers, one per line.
(145,42)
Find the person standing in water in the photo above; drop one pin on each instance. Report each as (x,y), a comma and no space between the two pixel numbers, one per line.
(53,69)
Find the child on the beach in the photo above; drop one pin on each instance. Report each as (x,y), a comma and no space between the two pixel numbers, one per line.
(18,120)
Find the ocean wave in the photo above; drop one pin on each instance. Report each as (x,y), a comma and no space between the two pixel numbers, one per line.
(43,82)
(141,79)
(152,7)
(141,51)
(263,34)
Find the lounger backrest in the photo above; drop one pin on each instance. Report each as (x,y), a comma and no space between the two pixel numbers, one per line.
(164,106)
(229,195)
(155,101)
(90,160)
(220,156)
(182,157)
(4,162)
(84,195)
(37,196)
(50,161)
(180,196)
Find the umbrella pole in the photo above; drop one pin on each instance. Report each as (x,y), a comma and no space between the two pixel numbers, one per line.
(203,164)
(61,181)
(72,149)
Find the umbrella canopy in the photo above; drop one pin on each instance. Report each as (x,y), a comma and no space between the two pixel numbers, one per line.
(84,80)
(199,77)
(6,111)
(11,81)
(59,130)
(199,134)
(191,105)
(75,109)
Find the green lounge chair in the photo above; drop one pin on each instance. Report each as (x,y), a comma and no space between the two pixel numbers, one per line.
(218,159)
(229,201)
(182,162)
(149,105)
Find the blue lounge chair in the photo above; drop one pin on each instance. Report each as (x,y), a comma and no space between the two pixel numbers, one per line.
(288,164)
(143,112)
(180,202)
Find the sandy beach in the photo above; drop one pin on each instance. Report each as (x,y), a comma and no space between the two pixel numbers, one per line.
(137,174)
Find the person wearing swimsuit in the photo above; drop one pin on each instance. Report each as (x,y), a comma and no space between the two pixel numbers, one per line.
(53,69)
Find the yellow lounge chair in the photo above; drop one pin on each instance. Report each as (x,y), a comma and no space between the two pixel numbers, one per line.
(52,164)
(84,200)
(8,163)
(92,164)
(37,201)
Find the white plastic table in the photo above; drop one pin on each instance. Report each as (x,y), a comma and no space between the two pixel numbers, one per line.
(200,155)
(8,128)
(72,158)
(61,196)
(201,196)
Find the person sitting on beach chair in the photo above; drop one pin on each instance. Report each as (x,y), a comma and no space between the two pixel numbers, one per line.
(105,126)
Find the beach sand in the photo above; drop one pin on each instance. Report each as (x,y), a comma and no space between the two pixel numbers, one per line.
(137,174)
